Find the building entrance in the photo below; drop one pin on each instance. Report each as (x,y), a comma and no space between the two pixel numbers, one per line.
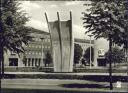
(101,62)
(13,61)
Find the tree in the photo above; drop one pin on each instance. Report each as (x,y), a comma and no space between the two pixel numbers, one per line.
(48,59)
(87,55)
(104,19)
(108,19)
(77,53)
(117,55)
(13,32)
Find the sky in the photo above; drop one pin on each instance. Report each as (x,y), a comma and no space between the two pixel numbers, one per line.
(36,9)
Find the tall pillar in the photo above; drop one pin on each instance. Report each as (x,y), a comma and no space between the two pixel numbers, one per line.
(39,62)
(30,62)
(33,62)
(26,62)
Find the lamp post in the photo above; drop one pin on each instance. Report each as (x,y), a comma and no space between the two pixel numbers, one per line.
(90,52)
(110,62)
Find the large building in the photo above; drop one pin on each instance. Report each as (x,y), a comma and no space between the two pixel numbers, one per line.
(34,54)
(36,50)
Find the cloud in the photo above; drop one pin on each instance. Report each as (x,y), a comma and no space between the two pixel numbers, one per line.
(72,3)
(37,24)
(28,6)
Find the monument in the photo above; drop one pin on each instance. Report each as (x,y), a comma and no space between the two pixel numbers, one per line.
(62,43)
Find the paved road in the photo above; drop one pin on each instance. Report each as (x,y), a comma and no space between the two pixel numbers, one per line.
(55,84)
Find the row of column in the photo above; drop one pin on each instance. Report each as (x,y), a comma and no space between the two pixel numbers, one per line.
(32,62)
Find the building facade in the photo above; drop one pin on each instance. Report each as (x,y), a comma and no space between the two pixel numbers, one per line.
(84,43)
(34,54)
(36,50)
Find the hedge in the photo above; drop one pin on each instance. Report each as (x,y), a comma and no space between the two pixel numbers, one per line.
(50,69)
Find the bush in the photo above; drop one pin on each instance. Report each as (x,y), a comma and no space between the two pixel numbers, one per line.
(105,70)
(28,69)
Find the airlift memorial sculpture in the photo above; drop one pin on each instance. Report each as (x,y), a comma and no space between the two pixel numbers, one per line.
(62,43)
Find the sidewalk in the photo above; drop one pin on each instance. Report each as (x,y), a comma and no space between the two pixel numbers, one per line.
(115,74)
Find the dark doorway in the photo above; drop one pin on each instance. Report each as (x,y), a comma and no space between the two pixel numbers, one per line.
(101,62)
(13,61)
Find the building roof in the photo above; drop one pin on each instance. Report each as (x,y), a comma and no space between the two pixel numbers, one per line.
(37,31)
(33,30)
(83,40)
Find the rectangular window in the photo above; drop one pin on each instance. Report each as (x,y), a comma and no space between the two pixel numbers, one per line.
(13,61)
(36,62)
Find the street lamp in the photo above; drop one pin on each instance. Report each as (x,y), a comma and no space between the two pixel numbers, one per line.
(90,51)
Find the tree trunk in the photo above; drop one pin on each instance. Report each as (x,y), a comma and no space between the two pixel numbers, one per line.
(1,65)
(1,47)
(127,58)
(2,61)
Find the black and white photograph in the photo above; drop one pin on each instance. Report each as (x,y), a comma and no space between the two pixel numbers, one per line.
(64,46)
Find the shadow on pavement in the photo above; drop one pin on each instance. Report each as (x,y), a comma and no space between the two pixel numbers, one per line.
(76,85)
